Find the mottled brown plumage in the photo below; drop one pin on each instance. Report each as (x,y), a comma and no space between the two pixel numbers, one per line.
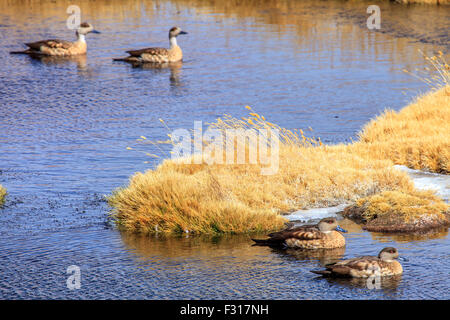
(320,236)
(54,43)
(153,51)
(367,266)
(157,55)
(55,47)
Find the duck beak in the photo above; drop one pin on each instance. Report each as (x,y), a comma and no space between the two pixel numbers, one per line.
(95,31)
(183,32)
(338,228)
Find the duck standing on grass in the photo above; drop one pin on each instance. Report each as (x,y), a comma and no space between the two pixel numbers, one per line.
(61,47)
(158,55)
(324,235)
(364,267)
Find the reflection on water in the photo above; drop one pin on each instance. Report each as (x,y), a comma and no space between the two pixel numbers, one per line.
(65,126)
(323,256)
(174,67)
(79,60)
(438,233)
(226,259)
(387,284)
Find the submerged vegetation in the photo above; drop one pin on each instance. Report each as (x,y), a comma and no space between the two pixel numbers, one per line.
(2,194)
(236,198)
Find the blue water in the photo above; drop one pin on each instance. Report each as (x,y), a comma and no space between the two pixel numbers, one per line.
(65,126)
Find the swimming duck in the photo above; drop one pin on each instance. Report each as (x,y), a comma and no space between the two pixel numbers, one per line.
(158,55)
(364,267)
(324,235)
(61,47)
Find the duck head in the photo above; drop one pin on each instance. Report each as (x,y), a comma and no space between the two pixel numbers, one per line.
(86,28)
(329,224)
(175,31)
(388,254)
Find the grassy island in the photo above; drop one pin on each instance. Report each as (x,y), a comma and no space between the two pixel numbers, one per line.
(201,198)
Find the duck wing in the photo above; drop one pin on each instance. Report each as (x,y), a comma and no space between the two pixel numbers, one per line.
(309,232)
(361,264)
(151,51)
(49,43)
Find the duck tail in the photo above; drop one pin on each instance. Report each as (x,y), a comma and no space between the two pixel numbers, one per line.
(261,242)
(325,273)
(267,242)
(20,52)
(128,59)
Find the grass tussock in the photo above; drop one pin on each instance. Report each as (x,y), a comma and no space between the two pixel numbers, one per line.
(2,194)
(216,198)
(226,198)
(409,205)
(417,136)
(238,199)
(171,201)
(400,211)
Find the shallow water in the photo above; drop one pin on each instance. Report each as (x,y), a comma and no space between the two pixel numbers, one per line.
(127,266)
(65,125)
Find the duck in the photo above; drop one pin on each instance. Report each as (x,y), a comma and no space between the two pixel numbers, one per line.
(158,55)
(385,264)
(324,235)
(61,48)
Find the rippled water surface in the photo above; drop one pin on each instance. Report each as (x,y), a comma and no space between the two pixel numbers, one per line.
(65,126)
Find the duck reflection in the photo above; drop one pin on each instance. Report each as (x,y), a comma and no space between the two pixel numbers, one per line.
(148,247)
(79,60)
(387,284)
(439,233)
(324,256)
(173,67)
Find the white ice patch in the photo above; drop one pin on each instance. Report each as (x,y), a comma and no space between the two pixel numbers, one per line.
(422,180)
(314,215)
(429,181)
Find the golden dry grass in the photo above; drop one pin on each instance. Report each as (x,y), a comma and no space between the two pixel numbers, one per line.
(238,199)
(2,194)
(214,198)
(417,136)
(408,205)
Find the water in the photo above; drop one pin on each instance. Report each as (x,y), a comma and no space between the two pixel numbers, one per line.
(65,125)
